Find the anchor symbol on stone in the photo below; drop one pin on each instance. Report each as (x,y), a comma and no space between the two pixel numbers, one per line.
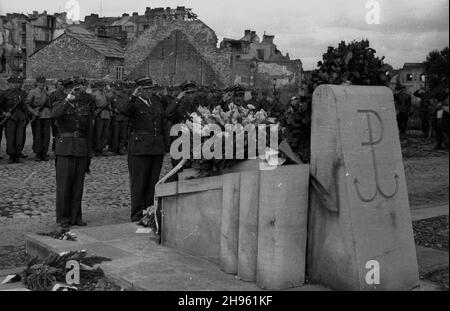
(372,144)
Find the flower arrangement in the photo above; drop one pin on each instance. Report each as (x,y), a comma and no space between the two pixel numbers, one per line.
(205,122)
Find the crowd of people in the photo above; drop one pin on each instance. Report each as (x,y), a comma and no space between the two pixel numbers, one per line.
(18,109)
(81,119)
(433,112)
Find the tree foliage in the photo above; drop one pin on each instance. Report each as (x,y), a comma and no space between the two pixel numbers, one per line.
(437,69)
(353,63)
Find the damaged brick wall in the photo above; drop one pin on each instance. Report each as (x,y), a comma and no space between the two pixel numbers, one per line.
(195,33)
(66,57)
(175,60)
(262,75)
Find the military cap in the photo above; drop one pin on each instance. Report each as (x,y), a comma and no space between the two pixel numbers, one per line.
(188,86)
(117,84)
(237,90)
(41,79)
(144,81)
(98,84)
(15,80)
(67,83)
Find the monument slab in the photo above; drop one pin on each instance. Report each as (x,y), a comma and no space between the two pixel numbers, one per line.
(356,157)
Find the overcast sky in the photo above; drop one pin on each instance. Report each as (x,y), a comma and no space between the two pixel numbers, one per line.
(408,29)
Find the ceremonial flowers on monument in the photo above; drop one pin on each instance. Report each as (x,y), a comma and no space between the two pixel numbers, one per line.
(216,139)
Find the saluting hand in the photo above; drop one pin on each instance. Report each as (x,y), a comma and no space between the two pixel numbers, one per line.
(181,95)
(136,92)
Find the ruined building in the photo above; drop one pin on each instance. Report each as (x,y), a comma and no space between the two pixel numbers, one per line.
(258,63)
(21,35)
(129,27)
(170,45)
(176,50)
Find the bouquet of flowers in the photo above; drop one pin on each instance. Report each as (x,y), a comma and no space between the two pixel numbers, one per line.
(214,125)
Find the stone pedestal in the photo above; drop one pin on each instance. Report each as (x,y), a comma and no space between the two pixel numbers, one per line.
(363,212)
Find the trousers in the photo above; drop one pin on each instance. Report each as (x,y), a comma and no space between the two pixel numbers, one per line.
(41,136)
(70,173)
(15,137)
(144,174)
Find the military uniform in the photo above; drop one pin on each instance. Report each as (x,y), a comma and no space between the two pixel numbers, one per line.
(146,148)
(55,97)
(119,122)
(39,100)
(15,125)
(73,150)
(403,106)
(102,120)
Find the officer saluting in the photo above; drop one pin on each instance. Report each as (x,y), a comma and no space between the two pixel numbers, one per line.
(147,144)
(73,149)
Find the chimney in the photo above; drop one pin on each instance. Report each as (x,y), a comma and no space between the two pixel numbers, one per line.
(247,32)
(268,39)
(135,13)
(125,14)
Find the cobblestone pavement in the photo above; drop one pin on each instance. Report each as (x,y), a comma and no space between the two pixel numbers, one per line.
(28,189)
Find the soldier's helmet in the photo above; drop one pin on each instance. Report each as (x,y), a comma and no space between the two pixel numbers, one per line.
(189,87)
(145,82)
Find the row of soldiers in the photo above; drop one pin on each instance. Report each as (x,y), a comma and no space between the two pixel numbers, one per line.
(111,128)
(17,109)
(433,113)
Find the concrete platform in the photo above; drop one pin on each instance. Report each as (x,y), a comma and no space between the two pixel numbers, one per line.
(425,212)
(431,259)
(141,264)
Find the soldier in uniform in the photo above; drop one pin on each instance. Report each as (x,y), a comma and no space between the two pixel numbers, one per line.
(147,143)
(119,125)
(58,95)
(102,118)
(403,106)
(15,109)
(74,116)
(39,100)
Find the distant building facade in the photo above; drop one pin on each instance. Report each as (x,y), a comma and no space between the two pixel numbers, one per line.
(259,64)
(412,76)
(21,35)
(78,54)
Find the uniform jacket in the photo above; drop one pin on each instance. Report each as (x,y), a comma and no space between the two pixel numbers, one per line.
(74,117)
(403,102)
(118,101)
(103,105)
(9,98)
(40,101)
(149,125)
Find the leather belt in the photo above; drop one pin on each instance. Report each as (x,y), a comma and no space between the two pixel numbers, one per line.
(72,134)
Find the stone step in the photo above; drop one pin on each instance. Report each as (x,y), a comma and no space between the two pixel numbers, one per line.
(141,264)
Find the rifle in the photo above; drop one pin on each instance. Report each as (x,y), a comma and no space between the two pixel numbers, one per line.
(13,108)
